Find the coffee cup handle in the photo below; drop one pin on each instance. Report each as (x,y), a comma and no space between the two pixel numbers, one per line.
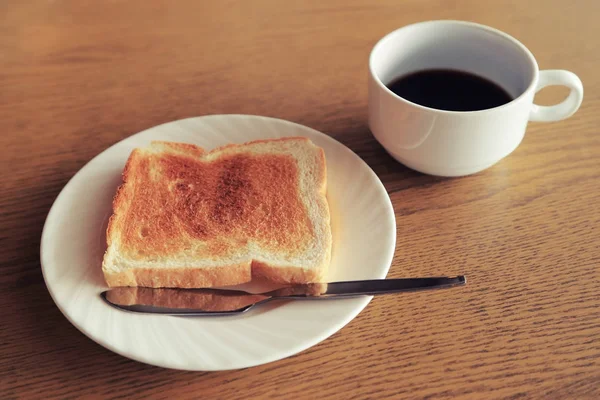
(563,110)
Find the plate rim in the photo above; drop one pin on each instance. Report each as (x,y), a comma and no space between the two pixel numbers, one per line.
(314,340)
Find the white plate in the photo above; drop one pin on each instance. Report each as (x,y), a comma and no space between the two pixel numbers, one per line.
(73,243)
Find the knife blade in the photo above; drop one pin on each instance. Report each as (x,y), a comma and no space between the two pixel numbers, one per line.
(223,301)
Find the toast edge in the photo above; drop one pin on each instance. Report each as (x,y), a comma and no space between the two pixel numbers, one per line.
(180,277)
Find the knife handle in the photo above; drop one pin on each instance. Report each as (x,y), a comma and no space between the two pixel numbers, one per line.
(385,286)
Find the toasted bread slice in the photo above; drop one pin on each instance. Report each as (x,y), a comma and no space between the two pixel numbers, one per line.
(187,218)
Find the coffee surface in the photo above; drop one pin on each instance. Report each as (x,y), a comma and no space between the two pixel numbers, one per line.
(449,90)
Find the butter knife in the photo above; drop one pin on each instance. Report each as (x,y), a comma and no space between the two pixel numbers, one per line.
(207,302)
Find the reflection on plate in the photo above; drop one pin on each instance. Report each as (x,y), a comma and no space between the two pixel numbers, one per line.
(73,243)
(208,300)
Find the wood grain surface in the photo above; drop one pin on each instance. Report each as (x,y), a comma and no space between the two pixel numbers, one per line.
(78,76)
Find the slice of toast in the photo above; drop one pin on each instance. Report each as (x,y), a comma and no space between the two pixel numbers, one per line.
(187,218)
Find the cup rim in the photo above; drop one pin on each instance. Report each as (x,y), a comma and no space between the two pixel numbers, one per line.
(495,31)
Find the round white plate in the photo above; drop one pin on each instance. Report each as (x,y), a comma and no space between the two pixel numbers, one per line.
(73,243)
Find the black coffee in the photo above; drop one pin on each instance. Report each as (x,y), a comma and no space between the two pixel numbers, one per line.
(449,90)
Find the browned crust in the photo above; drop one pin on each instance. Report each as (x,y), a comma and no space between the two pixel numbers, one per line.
(180,277)
(291,275)
(121,197)
(183,148)
(202,299)
(283,139)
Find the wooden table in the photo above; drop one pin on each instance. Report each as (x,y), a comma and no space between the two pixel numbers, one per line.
(78,76)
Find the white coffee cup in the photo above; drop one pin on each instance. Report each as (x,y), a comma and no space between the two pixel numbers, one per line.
(452,143)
